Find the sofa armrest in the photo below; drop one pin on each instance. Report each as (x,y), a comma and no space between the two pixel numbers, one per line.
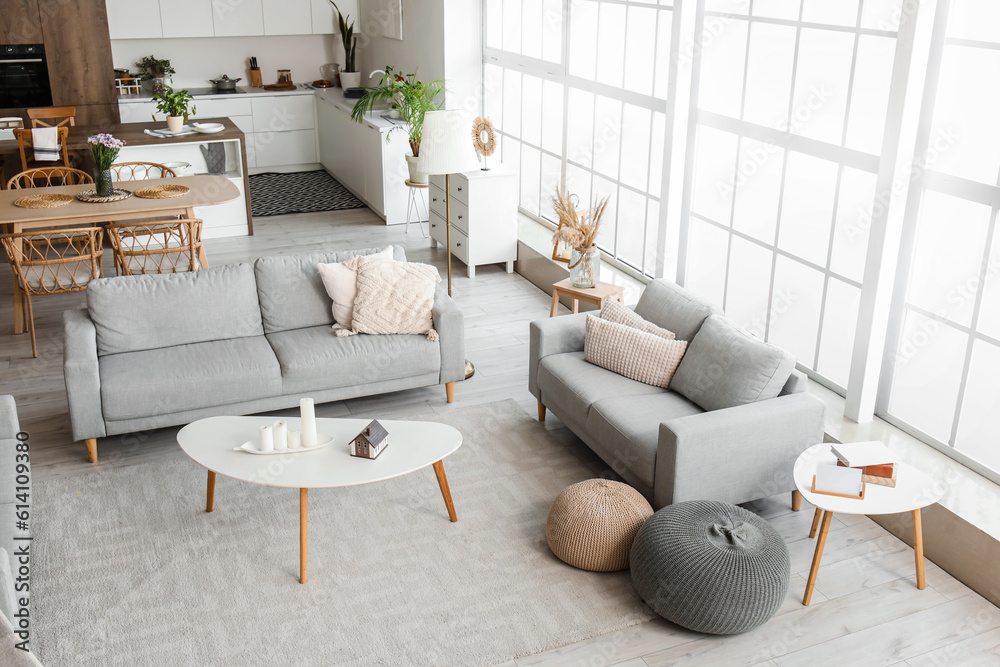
(736,454)
(9,426)
(81,371)
(449,322)
(555,335)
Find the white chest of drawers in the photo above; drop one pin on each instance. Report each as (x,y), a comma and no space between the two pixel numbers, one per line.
(483,216)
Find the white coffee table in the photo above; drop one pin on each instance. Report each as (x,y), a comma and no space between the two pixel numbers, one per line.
(412,445)
(913,491)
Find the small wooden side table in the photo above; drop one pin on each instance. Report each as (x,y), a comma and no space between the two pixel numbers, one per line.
(595,295)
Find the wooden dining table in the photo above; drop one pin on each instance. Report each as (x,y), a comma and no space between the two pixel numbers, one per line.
(206,190)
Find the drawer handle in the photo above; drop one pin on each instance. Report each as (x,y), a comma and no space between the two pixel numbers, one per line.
(460,189)
(459,217)
(434,224)
(435,199)
(459,245)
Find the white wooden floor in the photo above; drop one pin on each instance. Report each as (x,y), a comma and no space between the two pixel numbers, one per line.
(866,608)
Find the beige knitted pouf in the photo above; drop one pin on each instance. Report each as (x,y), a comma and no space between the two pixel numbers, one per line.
(592,524)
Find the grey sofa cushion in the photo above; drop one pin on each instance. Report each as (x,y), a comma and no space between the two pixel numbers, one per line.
(569,385)
(291,293)
(725,366)
(133,313)
(627,429)
(315,358)
(672,307)
(186,377)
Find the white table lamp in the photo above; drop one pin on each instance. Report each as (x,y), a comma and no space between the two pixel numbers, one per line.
(445,148)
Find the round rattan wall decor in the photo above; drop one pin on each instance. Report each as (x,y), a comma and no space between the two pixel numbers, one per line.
(484,136)
(43,201)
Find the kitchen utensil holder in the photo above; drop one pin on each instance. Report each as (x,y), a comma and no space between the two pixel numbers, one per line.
(255,80)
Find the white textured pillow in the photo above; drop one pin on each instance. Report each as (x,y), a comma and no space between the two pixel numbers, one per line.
(393,297)
(341,283)
(635,354)
(615,311)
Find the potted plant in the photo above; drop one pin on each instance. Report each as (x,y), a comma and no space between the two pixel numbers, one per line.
(579,229)
(156,70)
(104,149)
(413,99)
(350,77)
(175,105)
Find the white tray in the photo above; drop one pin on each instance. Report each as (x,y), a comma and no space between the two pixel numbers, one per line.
(250,447)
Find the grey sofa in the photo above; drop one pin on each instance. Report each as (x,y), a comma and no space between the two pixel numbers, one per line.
(162,350)
(663,444)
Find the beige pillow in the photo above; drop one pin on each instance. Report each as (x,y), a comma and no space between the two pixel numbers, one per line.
(635,354)
(393,297)
(341,285)
(615,311)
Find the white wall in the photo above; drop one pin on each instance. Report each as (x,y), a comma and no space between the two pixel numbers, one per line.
(197,60)
(441,40)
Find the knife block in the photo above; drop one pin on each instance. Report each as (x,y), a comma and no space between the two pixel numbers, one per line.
(255,80)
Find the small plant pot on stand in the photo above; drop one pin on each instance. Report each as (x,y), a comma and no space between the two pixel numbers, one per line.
(416,176)
(350,79)
(175,123)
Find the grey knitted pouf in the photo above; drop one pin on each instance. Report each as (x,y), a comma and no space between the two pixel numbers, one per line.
(711,567)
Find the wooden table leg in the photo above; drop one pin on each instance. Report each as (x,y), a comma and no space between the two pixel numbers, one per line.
(555,303)
(816,516)
(303,532)
(918,547)
(210,505)
(445,491)
(576,306)
(820,543)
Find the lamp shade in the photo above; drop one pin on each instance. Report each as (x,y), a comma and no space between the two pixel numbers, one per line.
(445,147)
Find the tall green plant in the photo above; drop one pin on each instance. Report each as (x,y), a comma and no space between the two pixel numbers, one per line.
(412,98)
(350,41)
(173,103)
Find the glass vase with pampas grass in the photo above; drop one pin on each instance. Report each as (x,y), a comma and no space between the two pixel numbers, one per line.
(578,229)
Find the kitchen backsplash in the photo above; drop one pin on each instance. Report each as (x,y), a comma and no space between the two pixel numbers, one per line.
(197,60)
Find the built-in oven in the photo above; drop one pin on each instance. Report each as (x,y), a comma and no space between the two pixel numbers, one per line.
(24,76)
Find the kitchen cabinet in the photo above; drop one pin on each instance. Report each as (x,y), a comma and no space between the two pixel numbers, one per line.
(186,18)
(363,157)
(134,19)
(21,23)
(234,18)
(287,17)
(276,149)
(282,113)
(483,216)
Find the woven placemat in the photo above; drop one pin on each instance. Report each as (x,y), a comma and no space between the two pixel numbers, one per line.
(90,196)
(43,201)
(162,191)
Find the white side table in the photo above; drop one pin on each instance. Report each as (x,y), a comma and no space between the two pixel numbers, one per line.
(913,491)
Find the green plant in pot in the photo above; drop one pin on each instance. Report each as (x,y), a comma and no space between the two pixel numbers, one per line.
(156,70)
(350,77)
(413,99)
(174,104)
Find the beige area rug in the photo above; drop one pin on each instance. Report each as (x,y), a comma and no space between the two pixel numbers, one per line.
(130,570)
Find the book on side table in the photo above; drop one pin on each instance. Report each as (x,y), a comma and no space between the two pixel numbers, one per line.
(876,461)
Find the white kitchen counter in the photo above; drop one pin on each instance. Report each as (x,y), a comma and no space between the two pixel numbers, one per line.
(249,92)
(335,96)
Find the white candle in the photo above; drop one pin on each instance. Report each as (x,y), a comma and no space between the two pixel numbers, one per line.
(295,440)
(280,436)
(308,410)
(266,439)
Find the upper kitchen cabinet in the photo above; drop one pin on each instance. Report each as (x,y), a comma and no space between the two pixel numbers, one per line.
(235,18)
(79,54)
(20,23)
(324,18)
(186,18)
(134,19)
(287,17)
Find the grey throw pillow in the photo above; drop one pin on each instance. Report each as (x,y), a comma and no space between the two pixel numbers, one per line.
(725,367)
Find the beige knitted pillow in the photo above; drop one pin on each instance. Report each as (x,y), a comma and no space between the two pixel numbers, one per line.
(615,311)
(393,297)
(635,354)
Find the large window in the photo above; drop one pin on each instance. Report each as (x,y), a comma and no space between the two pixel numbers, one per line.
(787,132)
(941,381)
(577,90)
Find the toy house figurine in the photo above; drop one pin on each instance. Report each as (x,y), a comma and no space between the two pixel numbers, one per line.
(369,443)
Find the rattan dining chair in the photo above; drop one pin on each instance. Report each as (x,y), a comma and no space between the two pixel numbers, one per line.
(161,246)
(44,177)
(53,262)
(140,171)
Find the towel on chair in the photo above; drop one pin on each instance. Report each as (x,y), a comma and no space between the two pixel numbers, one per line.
(45,142)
